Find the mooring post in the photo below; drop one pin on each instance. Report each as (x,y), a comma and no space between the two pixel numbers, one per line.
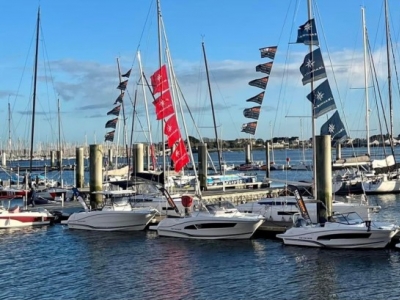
(96,174)
(137,155)
(52,159)
(80,170)
(267,163)
(248,153)
(324,174)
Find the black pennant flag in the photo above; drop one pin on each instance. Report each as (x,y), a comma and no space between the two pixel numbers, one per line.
(261,82)
(127,74)
(265,68)
(249,127)
(257,99)
(268,52)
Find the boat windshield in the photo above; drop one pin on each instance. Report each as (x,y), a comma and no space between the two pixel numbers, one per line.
(120,200)
(220,206)
(349,218)
(143,189)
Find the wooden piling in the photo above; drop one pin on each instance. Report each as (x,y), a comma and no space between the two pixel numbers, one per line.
(267,161)
(324,173)
(338,151)
(4,159)
(80,170)
(137,154)
(247,154)
(96,174)
(52,159)
(110,157)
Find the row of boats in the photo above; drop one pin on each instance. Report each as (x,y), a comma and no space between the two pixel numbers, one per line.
(186,216)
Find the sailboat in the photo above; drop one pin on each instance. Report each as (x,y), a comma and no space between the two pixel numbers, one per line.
(205,222)
(341,230)
(14,217)
(387,182)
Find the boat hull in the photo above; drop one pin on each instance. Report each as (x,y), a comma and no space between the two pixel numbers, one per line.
(208,228)
(24,219)
(372,187)
(110,220)
(337,238)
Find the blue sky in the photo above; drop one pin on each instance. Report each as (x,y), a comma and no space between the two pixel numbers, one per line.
(80,41)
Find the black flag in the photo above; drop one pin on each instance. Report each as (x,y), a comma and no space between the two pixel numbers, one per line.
(249,127)
(109,136)
(257,99)
(122,85)
(127,74)
(313,67)
(112,123)
(115,111)
(335,128)
(307,33)
(261,82)
(252,113)
(322,99)
(119,99)
(268,52)
(265,68)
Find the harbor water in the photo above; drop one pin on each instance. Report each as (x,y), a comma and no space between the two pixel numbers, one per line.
(55,262)
(58,263)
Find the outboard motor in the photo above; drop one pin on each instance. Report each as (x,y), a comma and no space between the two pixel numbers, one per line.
(187,202)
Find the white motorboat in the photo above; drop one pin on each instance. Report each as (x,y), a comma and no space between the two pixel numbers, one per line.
(149,195)
(14,217)
(345,231)
(212,221)
(279,211)
(117,214)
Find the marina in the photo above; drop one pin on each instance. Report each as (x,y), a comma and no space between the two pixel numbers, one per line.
(161,207)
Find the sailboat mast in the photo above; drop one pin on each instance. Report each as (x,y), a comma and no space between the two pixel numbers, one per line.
(160,64)
(9,130)
(59,125)
(389,73)
(123,115)
(309,5)
(34,90)
(59,140)
(366,79)
(212,108)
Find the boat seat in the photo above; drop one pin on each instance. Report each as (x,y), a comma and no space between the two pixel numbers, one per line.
(14,209)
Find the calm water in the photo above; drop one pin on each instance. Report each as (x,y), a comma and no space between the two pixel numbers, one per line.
(57,263)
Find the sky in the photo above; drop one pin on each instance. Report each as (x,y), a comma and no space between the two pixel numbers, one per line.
(80,42)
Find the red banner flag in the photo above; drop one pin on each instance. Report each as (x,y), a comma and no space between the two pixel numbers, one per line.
(171,130)
(159,80)
(183,161)
(164,106)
